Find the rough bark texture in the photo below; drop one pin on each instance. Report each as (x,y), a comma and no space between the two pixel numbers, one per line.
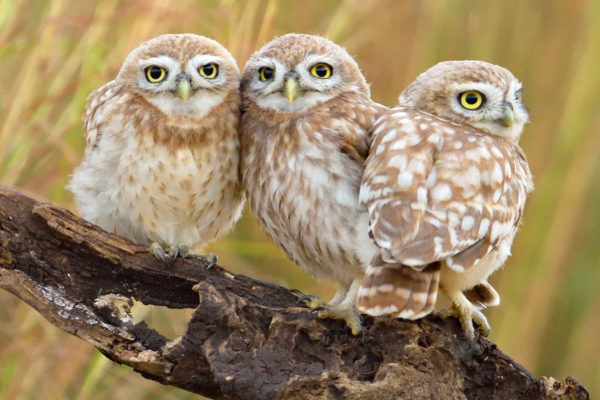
(247,339)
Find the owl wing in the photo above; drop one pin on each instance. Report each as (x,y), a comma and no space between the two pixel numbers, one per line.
(438,191)
(94,115)
(355,135)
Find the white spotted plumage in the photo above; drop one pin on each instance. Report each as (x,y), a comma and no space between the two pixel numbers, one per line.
(458,185)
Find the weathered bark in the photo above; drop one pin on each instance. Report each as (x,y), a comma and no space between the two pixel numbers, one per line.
(247,339)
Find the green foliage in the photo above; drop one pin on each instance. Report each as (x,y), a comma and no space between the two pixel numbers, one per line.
(54,53)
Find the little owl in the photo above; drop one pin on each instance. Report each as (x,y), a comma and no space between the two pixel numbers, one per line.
(162,155)
(445,186)
(306,116)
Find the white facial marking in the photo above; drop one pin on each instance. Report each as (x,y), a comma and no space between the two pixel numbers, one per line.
(314,90)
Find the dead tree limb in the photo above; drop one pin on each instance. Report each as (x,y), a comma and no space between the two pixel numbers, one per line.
(247,339)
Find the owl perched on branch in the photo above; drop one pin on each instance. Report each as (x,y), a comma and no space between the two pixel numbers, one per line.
(445,185)
(307,115)
(162,155)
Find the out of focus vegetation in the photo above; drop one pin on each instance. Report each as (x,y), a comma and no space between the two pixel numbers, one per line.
(54,53)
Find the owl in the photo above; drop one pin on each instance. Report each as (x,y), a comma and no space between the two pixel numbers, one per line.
(306,119)
(445,185)
(161,164)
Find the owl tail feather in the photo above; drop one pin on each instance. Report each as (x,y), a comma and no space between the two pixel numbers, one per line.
(399,290)
(483,295)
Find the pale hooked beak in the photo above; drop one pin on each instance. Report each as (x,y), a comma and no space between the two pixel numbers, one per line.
(184,88)
(292,90)
(508,118)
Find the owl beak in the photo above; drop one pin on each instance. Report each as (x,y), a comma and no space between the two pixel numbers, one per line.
(291,89)
(508,118)
(184,89)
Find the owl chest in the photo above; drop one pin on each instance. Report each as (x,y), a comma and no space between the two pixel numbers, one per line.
(307,201)
(310,182)
(168,182)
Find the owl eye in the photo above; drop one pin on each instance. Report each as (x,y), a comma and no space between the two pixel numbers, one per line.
(518,95)
(471,100)
(155,74)
(209,71)
(321,70)
(265,73)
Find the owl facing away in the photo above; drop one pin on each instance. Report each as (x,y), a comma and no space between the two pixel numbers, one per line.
(161,165)
(307,115)
(445,185)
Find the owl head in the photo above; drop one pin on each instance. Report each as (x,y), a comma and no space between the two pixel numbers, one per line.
(181,74)
(296,72)
(482,95)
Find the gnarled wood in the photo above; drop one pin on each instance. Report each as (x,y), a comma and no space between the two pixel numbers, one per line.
(247,339)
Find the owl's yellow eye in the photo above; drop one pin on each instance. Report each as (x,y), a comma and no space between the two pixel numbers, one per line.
(321,70)
(265,73)
(155,74)
(209,71)
(471,99)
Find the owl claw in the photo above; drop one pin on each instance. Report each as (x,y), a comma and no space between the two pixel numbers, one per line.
(184,251)
(174,253)
(310,301)
(160,253)
(170,256)
(348,314)
(211,259)
(341,306)
(467,315)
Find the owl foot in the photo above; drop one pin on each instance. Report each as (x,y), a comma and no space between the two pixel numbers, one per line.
(309,300)
(170,256)
(467,314)
(345,312)
(341,306)
(211,259)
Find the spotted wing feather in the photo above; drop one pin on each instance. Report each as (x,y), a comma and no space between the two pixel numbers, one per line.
(437,191)
(93,119)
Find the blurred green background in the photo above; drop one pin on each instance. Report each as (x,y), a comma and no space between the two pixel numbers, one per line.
(54,53)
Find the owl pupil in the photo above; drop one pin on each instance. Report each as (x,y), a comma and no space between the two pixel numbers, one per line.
(321,71)
(208,69)
(471,99)
(155,73)
(267,73)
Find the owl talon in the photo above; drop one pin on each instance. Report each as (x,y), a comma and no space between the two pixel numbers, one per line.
(184,251)
(170,256)
(467,314)
(159,253)
(173,253)
(211,259)
(309,300)
(349,315)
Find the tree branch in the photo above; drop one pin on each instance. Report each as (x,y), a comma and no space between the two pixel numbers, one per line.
(247,339)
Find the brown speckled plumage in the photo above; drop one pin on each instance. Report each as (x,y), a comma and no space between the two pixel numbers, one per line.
(445,187)
(301,167)
(160,169)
